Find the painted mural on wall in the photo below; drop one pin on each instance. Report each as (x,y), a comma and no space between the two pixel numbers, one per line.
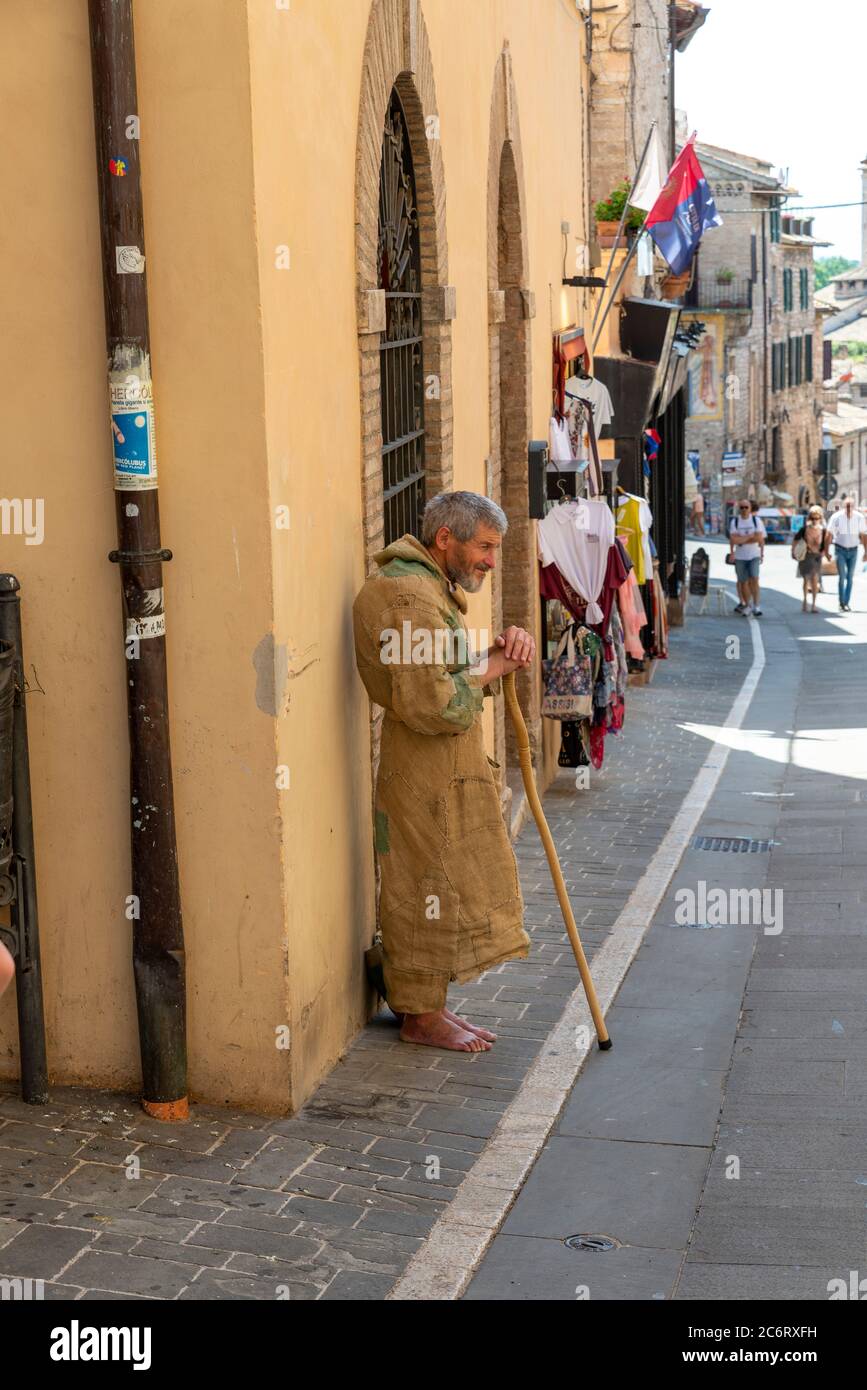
(705,371)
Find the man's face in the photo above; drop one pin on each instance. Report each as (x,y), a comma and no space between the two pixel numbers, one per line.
(744,510)
(468,562)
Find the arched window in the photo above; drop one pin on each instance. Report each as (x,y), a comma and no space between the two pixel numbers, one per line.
(400,351)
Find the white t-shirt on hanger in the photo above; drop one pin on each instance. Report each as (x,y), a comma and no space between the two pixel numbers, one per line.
(576,537)
(589,389)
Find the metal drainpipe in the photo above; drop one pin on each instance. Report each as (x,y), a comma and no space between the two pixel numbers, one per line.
(155,909)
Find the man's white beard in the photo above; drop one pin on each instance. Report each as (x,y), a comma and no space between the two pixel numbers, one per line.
(470,580)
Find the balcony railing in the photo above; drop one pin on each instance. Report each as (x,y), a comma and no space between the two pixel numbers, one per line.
(707,292)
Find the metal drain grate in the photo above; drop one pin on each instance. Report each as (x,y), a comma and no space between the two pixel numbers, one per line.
(735,844)
(596,1244)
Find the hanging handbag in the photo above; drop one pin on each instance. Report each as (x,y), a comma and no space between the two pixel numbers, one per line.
(799,549)
(568,677)
(572,751)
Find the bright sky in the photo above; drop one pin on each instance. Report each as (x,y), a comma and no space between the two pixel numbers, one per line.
(786,80)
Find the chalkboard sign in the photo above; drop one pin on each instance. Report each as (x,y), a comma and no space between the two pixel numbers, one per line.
(699,569)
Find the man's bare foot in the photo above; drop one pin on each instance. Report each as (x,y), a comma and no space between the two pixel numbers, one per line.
(470,1027)
(435,1030)
(461,1023)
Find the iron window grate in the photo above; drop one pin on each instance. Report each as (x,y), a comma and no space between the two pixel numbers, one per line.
(401,367)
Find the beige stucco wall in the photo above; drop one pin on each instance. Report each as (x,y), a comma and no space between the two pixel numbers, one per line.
(249,128)
(194,104)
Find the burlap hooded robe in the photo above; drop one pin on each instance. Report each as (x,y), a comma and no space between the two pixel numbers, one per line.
(450,903)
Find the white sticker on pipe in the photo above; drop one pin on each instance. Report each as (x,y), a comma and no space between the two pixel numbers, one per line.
(129,260)
(146,627)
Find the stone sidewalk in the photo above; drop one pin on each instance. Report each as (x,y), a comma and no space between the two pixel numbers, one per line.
(332,1203)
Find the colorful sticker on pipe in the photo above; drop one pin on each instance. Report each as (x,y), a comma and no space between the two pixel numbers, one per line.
(132,430)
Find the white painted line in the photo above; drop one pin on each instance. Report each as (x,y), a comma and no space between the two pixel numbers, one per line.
(443,1267)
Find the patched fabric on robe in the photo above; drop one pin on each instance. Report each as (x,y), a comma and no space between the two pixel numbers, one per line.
(450,904)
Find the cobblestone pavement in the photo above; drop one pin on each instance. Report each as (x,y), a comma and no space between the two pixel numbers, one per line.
(333,1202)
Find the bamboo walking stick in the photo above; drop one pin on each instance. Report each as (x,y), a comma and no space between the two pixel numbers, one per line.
(523,742)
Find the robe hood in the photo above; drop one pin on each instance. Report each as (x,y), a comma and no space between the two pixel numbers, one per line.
(410,551)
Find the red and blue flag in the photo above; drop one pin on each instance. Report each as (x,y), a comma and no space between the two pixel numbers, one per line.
(683,212)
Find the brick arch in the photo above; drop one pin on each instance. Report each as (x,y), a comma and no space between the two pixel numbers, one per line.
(510,307)
(397,54)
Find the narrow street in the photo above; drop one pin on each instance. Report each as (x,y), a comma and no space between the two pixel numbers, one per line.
(719,1144)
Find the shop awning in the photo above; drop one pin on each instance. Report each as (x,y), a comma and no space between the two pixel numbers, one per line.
(647,329)
(677,373)
(632,387)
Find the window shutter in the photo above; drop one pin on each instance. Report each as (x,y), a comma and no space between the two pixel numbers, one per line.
(808,356)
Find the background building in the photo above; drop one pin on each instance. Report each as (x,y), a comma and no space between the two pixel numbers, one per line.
(755,379)
(844,432)
(844,298)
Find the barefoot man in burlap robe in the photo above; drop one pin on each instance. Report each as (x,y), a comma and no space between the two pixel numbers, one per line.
(450,903)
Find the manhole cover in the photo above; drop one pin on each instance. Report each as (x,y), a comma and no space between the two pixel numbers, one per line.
(596,1244)
(735,844)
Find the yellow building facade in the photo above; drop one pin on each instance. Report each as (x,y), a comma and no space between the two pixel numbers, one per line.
(261,147)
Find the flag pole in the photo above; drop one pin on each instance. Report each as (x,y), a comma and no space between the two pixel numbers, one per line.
(616,286)
(638,171)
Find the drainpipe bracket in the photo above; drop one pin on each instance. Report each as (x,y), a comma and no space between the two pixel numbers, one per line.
(140,557)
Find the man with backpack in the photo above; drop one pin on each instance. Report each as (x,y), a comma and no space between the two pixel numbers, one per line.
(747,537)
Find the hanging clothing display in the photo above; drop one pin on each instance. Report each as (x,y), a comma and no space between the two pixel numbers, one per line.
(644,255)
(634,616)
(660,616)
(635,518)
(619,644)
(588,407)
(552,585)
(587,388)
(561,450)
(602,595)
(576,537)
(576,421)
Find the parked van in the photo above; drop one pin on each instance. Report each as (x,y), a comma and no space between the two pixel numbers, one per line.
(778,525)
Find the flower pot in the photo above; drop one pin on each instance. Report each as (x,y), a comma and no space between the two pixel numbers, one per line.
(675,286)
(606,233)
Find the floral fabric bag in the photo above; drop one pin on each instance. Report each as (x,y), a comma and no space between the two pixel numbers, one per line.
(568,677)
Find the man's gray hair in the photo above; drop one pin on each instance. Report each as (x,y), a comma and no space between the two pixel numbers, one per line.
(461,512)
